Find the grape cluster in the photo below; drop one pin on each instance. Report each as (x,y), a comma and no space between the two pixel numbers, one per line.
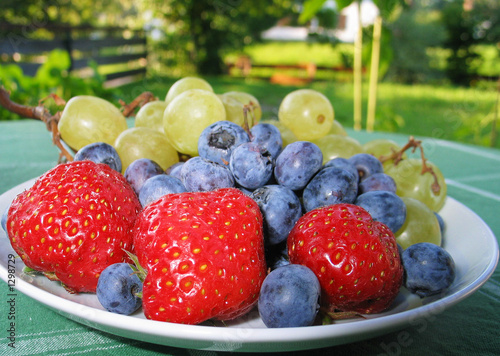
(203,141)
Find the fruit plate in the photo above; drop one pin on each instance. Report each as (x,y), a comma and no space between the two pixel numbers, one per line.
(467,238)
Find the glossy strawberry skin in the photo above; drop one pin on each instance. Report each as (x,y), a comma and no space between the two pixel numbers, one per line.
(355,258)
(73,222)
(204,256)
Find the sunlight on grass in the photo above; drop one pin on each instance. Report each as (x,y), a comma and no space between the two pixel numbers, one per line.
(322,54)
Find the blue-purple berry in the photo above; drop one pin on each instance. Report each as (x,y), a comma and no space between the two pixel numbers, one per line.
(158,186)
(251,165)
(442,224)
(269,137)
(119,289)
(175,170)
(366,164)
(280,208)
(428,269)
(218,140)
(343,163)
(385,207)
(100,152)
(200,175)
(330,186)
(297,164)
(3,220)
(377,181)
(289,297)
(139,171)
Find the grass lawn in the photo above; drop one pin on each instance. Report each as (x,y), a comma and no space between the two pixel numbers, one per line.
(450,113)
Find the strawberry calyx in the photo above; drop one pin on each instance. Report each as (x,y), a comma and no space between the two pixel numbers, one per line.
(329,317)
(30,271)
(138,270)
(136,266)
(53,277)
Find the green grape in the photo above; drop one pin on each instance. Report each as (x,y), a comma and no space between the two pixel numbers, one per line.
(382,147)
(188,115)
(337,129)
(286,134)
(249,100)
(412,183)
(151,115)
(187,83)
(234,109)
(334,146)
(145,142)
(87,119)
(421,225)
(308,113)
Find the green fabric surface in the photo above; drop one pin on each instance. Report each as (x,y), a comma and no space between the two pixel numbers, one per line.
(468,328)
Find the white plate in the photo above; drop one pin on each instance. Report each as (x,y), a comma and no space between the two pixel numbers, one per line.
(468,239)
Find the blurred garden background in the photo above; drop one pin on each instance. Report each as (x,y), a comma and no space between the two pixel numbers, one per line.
(428,67)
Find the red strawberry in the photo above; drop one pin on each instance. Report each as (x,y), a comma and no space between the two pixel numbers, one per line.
(355,258)
(75,221)
(204,256)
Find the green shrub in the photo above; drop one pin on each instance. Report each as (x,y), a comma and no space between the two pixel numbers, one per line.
(52,77)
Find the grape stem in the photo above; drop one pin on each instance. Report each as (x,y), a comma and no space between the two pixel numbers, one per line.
(41,113)
(397,156)
(249,108)
(144,98)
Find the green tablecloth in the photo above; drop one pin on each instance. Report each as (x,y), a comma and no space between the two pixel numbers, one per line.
(469,328)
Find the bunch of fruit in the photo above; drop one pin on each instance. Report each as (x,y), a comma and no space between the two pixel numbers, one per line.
(202,211)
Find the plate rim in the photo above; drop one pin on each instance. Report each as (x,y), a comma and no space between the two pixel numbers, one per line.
(267,340)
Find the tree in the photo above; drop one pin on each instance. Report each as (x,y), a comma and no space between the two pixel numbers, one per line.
(467,24)
(205,29)
(38,13)
(417,28)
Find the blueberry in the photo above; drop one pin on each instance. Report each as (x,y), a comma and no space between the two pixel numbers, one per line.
(384,206)
(158,186)
(297,164)
(3,220)
(428,269)
(251,165)
(199,174)
(281,260)
(141,170)
(330,186)
(277,255)
(175,170)
(377,181)
(246,191)
(100,152)
(118,288)
(269,137)
(280,209)
(442,225)
(289,297)
(343,163)
(366,164)
(218,140)
(400,251)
